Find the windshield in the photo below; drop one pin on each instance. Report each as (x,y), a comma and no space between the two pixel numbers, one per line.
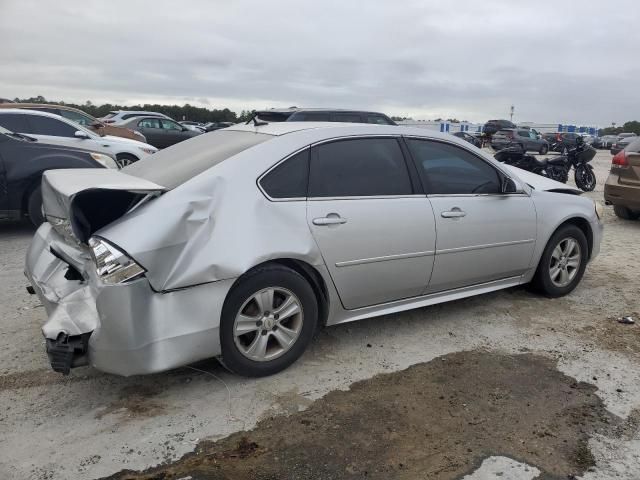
(175,165)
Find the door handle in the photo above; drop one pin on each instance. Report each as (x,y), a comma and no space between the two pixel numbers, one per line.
(330,219)
(455,212)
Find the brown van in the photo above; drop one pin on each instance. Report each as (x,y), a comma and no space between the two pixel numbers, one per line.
(622,189)
(84,119)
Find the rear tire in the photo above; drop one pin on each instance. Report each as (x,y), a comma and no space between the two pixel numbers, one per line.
(260,295)
(556,261)
(625,213)
(34,207)
(124,159)
(544,150)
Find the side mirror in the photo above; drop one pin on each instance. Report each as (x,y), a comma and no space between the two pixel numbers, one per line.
(81,135)
(508,185)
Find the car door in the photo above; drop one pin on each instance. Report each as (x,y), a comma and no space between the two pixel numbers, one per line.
(151,129)
(482,234)
(374,228)
(174,132)
(4,189)
(56,132)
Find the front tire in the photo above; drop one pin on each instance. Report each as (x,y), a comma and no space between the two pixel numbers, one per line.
(125,159)
(268,319)
(562,263)
(544,149)
(585,178)
(34,207)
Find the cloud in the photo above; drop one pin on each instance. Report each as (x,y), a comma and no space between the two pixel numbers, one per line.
(556,62)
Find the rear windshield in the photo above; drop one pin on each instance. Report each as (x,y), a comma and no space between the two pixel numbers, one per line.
(634,146)
(177,164)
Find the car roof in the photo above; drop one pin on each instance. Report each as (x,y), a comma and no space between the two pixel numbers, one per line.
(315,109)
(23,111)
(43,105)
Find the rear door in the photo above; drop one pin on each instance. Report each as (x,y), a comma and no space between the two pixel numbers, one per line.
(151,129)
(631,175)
(375,230)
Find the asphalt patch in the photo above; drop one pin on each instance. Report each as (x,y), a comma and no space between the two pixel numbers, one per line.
(436,420)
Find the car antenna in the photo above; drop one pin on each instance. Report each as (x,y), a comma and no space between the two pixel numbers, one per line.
(256,122)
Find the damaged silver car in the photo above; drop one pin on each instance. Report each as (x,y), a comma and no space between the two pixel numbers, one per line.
(240,243)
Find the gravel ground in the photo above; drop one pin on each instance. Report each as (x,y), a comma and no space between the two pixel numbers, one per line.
(90,424)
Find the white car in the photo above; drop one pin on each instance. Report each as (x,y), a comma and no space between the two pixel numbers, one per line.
(56,130)
(117,116)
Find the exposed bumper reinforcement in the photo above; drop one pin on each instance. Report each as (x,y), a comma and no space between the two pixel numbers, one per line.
(68,352)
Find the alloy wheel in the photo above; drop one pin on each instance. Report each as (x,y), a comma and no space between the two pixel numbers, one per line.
(268,324)
(565,262)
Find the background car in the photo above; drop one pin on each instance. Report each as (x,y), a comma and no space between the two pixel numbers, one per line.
(195,126)
(527,140)
(23,159)
(56,130)
(622,189)
(473,140)
(605,142)
(256,235)
(492,126)
(118,116)
(160,132)
(621,142)
(81,118)
(212,126)
(564,141)
(295,114)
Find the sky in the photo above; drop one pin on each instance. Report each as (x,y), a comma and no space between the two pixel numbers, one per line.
(555,61)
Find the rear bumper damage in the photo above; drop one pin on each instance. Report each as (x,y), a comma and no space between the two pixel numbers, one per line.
(126,329)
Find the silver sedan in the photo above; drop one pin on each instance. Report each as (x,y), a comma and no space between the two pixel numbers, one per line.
(240,243)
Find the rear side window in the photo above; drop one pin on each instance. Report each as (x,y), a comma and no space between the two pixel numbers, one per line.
(523,133)
(50,126)
(450,170)
(346,117)
(360,167)
(289,179)
(309,117)
(15,122)
(149,123)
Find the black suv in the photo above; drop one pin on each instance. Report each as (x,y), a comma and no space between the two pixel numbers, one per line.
(492,126)
(322,115)
(22,161)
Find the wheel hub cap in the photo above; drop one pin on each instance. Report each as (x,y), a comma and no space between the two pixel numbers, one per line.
(268,324)
(565,262)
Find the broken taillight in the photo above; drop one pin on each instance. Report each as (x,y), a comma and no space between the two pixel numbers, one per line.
(620,160)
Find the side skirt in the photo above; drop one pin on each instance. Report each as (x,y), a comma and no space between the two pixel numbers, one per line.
(345,316)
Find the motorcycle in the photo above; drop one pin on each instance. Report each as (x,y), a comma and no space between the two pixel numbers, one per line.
(556,168)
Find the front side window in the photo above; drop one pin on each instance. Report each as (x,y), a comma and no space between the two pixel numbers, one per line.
(80,119)
(50,126)
(289,179)
(149,123)
(377,119)
(450,170)
(15,122)
(170,125)
(359,167)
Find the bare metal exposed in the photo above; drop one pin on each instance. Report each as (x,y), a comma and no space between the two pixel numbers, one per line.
(240,243)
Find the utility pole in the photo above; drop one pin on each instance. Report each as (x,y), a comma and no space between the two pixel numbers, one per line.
(512,110)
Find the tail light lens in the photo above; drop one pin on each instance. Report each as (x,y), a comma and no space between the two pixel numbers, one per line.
(620,160)
(112,265)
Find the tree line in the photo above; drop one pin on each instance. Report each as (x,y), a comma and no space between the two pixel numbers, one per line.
(177,112)
(627,127)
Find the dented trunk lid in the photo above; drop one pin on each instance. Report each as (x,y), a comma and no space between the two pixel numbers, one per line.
(78,202)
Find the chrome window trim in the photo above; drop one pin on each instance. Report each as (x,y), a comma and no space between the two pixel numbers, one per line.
(365,197)
(495,165)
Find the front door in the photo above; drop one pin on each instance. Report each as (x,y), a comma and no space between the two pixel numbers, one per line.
(375,231)
(482,234)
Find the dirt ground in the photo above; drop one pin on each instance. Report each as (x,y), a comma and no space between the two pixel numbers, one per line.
(436,392)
